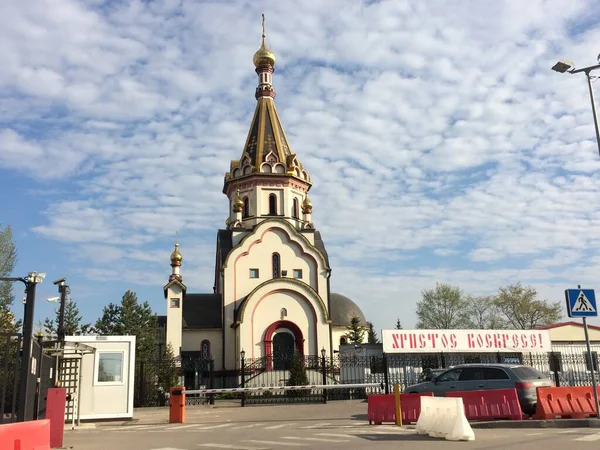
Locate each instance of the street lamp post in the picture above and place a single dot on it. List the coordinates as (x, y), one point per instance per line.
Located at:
(324, 373)
(63, 290)
(566, 66)
(243, 370)
(30, 282)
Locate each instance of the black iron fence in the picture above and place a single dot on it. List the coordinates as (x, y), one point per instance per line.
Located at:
(10, 366)
(568, 367)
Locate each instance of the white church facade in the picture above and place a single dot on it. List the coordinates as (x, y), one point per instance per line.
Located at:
(271, 294)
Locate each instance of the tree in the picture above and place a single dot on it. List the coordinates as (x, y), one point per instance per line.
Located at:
(443, 307)
(398, 324)
(372, 334)
(522, 310)
(298, 376)
(484, 314)
(72, 322)
(356, 332)
(132, 318)
(8, 259)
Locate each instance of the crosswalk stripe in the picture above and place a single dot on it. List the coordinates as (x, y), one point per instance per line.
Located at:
(568, 431)
(335, 435)
(276, 443)
(589, 438)
(181, 427)
(274, 427)
(314, 439)
(247, 426)
(201, 428)
(316, 426)
(235, 447)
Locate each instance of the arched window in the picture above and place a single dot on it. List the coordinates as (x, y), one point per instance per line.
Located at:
(295, 209)
(283, 313)
(205, 349)
(343, 341)
(276, 265)
(272, 205)
(246, 212)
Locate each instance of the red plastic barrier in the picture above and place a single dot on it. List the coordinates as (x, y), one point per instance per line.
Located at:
(381, 407)
(30, 435)
(490, 404)
(573, 402)
(56, 402)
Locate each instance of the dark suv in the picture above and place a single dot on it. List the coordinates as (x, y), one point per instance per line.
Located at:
(473, 377)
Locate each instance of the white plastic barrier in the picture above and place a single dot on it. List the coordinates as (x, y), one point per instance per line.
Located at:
(443, 417)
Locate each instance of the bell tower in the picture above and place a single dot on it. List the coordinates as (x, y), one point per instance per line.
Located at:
(174, 292)
(268, 181)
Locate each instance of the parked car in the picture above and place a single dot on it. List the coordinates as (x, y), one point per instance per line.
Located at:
(473, 377)
(430, 374)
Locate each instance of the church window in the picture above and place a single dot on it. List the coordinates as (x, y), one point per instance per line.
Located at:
(246, 212)
(272, 205)
(253, 273)
(298, 273)
(174, 303)
(276, 266)
(205, 349)
(295, 209)
(343, 341)
(283, 313)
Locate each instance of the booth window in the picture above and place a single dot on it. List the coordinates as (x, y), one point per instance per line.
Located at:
(110, 368)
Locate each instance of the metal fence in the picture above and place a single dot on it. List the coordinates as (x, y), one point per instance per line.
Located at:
(568, 366)
(10, 366)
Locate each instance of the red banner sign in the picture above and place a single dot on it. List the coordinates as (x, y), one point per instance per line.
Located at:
(465, 341)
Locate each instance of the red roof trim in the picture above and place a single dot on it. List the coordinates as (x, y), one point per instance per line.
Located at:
(565, 324)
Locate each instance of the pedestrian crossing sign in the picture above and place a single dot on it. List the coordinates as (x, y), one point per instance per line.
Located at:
(581, 303)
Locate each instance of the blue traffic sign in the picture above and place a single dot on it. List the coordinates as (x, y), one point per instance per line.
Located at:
(581, 303)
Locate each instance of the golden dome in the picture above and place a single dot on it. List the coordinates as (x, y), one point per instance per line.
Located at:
(176, 257)
(264, 56)
(306, 205)
(238, 203)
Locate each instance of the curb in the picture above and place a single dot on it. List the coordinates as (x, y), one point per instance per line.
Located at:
(561, 423)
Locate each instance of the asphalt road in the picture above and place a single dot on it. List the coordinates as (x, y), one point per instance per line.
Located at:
(333, 426)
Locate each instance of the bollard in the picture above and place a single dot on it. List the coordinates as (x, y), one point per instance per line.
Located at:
(397, 404)
(56, 402)
(177, 405)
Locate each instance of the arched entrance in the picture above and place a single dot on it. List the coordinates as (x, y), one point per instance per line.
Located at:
(283, 350)
(279, 347)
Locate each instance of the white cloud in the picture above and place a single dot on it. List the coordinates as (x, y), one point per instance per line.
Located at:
(441, 145)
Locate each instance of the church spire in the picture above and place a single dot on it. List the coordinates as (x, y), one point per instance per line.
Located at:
(267, 150)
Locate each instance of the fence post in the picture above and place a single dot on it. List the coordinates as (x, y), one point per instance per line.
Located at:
(243, 368)
(141, 394)
(211, 380)
(386, 376)
(324, 366)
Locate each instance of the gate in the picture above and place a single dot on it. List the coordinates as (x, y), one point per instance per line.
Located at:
(10, 366)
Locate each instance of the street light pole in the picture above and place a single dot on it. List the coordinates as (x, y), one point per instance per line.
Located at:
(63, 289)
(566, 66)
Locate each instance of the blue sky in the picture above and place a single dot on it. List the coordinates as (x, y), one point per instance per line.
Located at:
(441, 146)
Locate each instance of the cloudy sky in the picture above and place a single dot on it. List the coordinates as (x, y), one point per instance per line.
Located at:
(441, 146)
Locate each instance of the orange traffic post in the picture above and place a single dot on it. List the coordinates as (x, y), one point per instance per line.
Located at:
(177, 405)
(397, 403)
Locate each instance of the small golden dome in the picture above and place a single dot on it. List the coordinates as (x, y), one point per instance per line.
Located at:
(264, 56)
(238, 203)
(176, 257)
(306, 205)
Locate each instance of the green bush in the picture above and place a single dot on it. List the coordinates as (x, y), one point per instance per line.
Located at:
(298, 376)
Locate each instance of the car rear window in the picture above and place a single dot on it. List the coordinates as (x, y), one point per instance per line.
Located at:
(528, 373)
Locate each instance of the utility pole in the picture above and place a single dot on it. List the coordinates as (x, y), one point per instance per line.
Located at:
(63, 290)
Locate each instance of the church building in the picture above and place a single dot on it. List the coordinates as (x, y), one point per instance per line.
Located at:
(271, 293)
